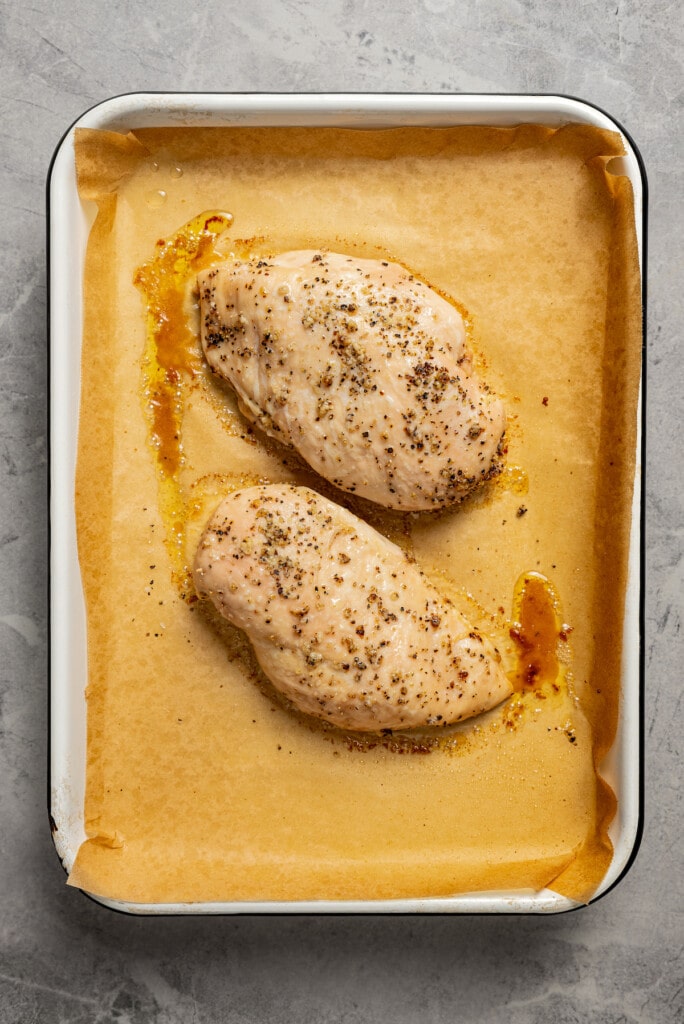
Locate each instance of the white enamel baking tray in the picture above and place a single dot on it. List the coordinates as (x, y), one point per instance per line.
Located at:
(68, 225)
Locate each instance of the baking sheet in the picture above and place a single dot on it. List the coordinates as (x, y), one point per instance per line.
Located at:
(107, 840)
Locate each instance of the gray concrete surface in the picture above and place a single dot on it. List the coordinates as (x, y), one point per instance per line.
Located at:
(62, 958)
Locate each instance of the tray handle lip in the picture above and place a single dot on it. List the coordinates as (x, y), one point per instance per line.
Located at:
(509, 97)
(309, 908)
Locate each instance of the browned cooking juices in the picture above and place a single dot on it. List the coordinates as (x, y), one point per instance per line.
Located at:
(537, 632)
(173, 360)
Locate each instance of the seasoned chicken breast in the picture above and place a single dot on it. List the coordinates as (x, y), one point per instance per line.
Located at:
(341, 621)
(359, 366)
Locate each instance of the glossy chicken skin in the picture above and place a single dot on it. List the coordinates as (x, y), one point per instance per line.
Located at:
(341, 621)
(359, 366)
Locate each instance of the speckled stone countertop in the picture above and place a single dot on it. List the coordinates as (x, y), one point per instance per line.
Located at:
(62, 957)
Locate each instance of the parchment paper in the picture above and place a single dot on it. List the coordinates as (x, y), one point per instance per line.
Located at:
(200, 784)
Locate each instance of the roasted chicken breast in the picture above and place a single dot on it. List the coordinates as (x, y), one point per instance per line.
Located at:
(358, 365)
(341, 621)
